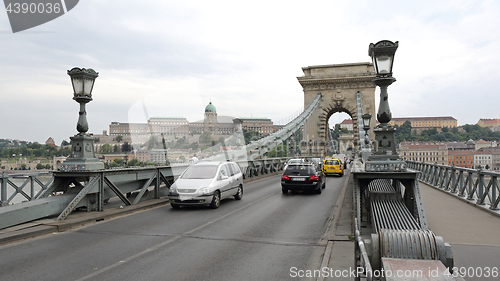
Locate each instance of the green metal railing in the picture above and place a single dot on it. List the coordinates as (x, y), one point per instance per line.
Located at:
(478, 186)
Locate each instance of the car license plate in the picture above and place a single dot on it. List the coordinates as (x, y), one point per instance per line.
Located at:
(299, 179)
(184, 198)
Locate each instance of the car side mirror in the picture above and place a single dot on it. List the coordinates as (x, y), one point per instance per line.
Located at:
(223, 177)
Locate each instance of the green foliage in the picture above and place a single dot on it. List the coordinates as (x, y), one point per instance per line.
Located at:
(106, 148)
(281, 152)
(119, 138)
(206, 137)
(153, 143)
(474, 132)
(336, 132)
(126, 147)
(133, 162)
(251, 135)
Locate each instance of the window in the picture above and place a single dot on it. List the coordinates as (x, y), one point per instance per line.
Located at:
(231, 169)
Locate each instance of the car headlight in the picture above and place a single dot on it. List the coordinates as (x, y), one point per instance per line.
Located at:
(173, 190)
(204, 190)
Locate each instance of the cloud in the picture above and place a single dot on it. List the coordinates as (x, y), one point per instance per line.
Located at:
(245, 57)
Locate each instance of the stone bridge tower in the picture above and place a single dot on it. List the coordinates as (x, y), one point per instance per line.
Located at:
(338, 84)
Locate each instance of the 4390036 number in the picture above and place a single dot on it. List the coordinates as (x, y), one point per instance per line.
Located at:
(34, 8)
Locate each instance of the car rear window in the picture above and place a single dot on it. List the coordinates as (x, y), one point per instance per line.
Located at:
(331, 162)
(300, 170)
(200, 172)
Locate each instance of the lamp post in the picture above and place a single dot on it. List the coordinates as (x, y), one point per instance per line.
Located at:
(82, 157)
(366, 126)
(365, 147)
(385, 157)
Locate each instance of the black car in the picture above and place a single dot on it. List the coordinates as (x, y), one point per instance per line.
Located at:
(302, 176)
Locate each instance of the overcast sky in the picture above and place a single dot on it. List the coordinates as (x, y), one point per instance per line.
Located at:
(170, 58)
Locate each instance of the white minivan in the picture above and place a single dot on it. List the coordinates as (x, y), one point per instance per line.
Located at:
(207, 183)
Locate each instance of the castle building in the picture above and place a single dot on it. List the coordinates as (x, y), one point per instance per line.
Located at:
(218, 125)
(426, 122)
(180, 126)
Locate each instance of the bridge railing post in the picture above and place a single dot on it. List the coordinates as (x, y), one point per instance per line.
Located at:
(32, 187)
(494, 199)
(3, 190)
(480, 188)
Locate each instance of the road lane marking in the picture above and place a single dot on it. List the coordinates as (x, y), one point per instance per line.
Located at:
(173, 239)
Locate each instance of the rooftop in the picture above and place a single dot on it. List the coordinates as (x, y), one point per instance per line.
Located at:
(424, 118)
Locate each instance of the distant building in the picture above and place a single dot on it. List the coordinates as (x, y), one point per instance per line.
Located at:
(461, 158)
(482, 144)
(108, 158)
(126, 129)
(140, 155)
(50, 142)
(173, 155)
(172, 127)
(218, 125)
(488, 123)
(458, 146)
(426, 122)
(57, 162)
(259, 124)
(428, 152)
(347, 124)
(168, 126)
(483, 159)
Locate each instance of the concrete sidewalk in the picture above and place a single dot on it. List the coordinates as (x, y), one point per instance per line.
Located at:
(341, 247)
(75, 219)
(458, 222)
(472, 232)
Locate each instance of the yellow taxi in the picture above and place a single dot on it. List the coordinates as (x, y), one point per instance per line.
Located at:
(333, 165)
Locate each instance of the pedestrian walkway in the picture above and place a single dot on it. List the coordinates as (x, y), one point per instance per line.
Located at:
(458, 222)
(472, 232)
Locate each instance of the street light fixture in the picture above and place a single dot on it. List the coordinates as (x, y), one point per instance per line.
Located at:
(385, 157)
(366, 125)
(83, 82)
(82, 157)
(382, 54)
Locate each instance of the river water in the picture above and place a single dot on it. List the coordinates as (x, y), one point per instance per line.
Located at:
(26, 189)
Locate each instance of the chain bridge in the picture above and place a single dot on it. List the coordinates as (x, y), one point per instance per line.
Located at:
(378, 218)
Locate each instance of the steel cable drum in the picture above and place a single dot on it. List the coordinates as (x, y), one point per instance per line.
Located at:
(409, 244)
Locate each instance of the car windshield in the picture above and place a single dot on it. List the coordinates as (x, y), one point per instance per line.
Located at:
(331, 162)
(200, 172)
(300, 170)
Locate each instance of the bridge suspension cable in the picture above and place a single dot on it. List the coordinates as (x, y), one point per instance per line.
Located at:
(258, 148)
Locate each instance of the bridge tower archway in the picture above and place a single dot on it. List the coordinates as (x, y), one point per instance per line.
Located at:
(338, 85)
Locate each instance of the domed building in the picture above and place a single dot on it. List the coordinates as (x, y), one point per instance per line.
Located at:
(210, 121)
(218, 125)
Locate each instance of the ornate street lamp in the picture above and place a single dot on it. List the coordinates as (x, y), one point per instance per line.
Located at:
(366, 125)
(382, 54)
(83, 82)
(385, 157)
(82, 155)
